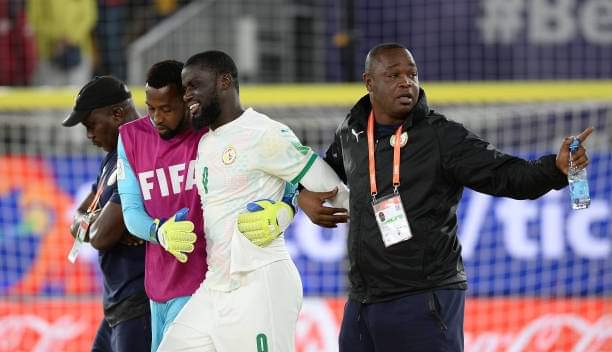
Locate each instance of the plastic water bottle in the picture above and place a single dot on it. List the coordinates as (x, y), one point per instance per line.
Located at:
(578, 182)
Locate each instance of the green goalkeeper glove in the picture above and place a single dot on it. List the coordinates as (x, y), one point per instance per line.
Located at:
(264, 221)
(176, 235)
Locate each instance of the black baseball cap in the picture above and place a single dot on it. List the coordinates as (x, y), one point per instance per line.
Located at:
(99, 92)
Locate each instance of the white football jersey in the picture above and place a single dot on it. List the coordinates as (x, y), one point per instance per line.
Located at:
(245, 160)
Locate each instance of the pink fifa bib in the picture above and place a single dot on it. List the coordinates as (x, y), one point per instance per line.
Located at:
(165, 170)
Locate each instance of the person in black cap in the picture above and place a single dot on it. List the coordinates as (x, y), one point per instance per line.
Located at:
(100, 92)
(103, 105)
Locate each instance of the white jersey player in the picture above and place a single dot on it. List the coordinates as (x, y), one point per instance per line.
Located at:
(252, 295)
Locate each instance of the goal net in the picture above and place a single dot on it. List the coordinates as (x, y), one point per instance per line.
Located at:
(539, 273)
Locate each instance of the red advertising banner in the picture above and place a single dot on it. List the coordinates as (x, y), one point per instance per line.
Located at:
(60, 324)
(491, 325)
(538, 325)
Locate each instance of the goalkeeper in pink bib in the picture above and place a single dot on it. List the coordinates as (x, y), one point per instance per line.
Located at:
(156, 175)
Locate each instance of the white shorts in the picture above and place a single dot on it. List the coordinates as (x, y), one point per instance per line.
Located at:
(259, 316)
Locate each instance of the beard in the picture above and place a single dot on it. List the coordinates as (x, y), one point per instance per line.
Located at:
(208, 114)
(170, 133)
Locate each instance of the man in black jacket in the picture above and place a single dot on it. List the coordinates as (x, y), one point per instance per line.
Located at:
(410, 164)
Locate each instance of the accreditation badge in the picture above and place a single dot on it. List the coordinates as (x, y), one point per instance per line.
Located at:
(79, 239)
(391, 219)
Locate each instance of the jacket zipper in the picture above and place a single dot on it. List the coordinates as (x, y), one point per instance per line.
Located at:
(366, 298)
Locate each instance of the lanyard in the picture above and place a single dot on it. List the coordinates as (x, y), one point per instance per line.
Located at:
(372, 162)
(96, 200)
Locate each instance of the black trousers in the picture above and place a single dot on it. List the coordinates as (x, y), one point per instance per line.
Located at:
(428, 322)
(132, 335)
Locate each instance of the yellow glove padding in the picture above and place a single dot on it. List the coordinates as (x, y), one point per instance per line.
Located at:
(176, 235)
(264, 221)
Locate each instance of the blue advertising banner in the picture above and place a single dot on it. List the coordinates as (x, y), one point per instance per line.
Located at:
(541, 247)
(510, 247)
(479, 39)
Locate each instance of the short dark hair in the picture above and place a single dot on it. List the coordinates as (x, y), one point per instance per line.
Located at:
(375, 51)
(216, 61)
(164, 73)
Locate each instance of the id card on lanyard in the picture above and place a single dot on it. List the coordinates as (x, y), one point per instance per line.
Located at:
(389, 210)
(85, 223)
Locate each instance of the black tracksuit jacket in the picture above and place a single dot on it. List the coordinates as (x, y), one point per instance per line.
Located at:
(440, 158)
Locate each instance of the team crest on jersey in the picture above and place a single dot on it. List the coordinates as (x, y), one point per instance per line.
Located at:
(229, 155)
(403, 139)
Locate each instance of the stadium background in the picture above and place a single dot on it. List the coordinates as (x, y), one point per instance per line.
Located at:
(522, 74)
